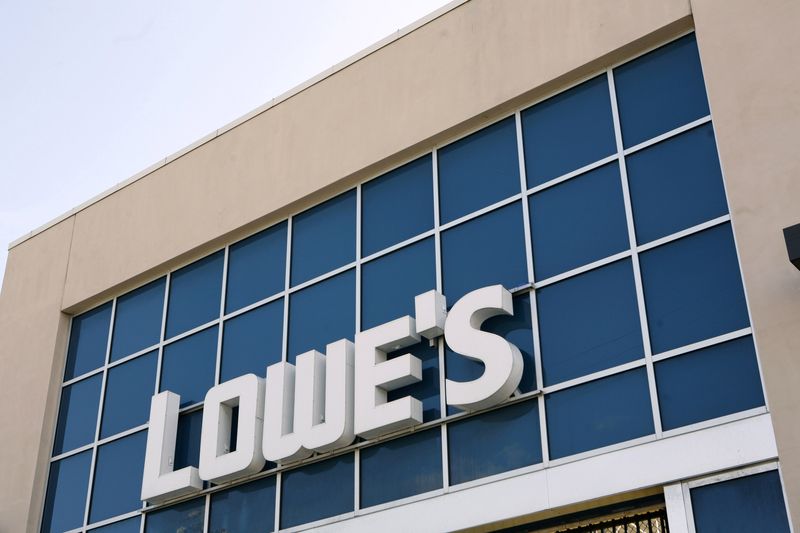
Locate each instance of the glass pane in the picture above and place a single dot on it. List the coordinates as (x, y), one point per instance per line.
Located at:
(117, 486)
(247, 508)
(189, 364)
(712, 382)
(186, 517)
(66, 493)
(676, 184)
(252, 341)
(131, 525)
(88, 341)
(568, 131)
(693, 290)
(256, 267)
(137, 319)
(401, 468)
(324, 238)
(578, 222)
(660, 91)
(317, 491)
(390, 283)
(129, 389)
(484, 251)
(599, 413)
(187, 443)
(397, 206)
(494, 442)
(322, 313)
(750, 503)
(194, 293)
(77, 414)
(427, 390)
(589, 322)
(478, 170)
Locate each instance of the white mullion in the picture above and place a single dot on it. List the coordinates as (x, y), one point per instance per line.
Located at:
(322, 277)
(719, 339)
(356, 479)
(357, 453)
(664, 136)
(223, 295)
(82, 377)
(287, 281)
(163, 333)
(278, 490)
(480, 212)
(206, 513)
(569, 175)
(637, 274)
(683, 233)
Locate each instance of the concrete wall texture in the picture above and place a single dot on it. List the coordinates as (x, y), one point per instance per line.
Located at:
(453, 73)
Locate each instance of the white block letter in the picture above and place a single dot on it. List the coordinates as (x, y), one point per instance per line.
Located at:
(502, 360)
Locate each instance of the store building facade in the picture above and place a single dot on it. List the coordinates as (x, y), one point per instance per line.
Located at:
(615, 174)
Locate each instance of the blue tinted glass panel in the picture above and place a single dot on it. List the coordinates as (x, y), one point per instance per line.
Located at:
(568, 131)
(324, 238)
(413, 464)
(708, 383)
(693, 289)
(137, 319)
(130, 525)
(88, 340)
(515, 329)
(194, 293)
(322, 313)
(117, 486)
(66, 493)
(478, 170)
(660, 91)
(484, 251)
(256, 267)
(745, 504)
(77, 414)
(187, 444)
(494, 442)
(589, 322)
(397, 206)
(390, 283)
(317, 491)
(252, 341)
(578, 222)
(186, 517)
(188, 366)
(676, 184)
(427, 390)
(129, 388)
(247, 508)
(599, 413)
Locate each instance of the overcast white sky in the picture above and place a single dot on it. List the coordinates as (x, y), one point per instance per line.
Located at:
(94, 91)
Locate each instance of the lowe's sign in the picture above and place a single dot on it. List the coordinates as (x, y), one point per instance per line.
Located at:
(324, 401)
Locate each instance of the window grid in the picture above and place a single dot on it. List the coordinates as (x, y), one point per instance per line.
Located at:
(540, 391)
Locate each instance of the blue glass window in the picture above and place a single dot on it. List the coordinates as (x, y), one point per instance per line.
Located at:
(478, 170)
(484, 251)
(578, 222)
(515, 329)
(77, 414)
(676, 184)
(693, 290)
(194, 294)
(137, 319)
(317, 491)
(187, 442)
(599, 413)
(186, 517)
(131, 525)
(390, 283)
(427, 390)
(397, 206)
(324, 238)
(660, 91)
(188, 366)
(568, 131)
(66, 493)
(412, 463)
(129, 388)
(322, 313)
(589, 322)
(494, 442)
(247, 508)
(252, 341)
(750, 503)
(117, 486)
(712, 382)
(88, 340)
(256, 267)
